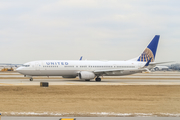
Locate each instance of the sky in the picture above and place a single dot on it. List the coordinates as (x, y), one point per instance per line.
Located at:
(95, 29)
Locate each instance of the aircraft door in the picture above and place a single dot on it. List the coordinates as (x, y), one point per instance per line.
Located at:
(37, 65)
(139, 65)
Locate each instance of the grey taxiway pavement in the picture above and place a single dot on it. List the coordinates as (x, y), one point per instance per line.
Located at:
(7, 82)
(154, 78)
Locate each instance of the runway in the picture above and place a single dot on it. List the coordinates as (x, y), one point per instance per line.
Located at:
(140, 95)
(21, 82)
(154, 78)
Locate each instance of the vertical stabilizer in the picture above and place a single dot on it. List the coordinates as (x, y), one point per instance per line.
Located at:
(150, 51)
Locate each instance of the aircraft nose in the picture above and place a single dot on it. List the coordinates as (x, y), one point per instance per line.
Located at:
(20, 70)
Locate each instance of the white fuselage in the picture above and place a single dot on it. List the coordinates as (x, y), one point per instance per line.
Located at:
(87, 70)
(71, 68)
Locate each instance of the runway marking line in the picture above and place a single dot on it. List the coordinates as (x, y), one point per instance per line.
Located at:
(71, 83)
(6, 84)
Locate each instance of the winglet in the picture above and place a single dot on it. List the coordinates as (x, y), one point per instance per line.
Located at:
(81, 58)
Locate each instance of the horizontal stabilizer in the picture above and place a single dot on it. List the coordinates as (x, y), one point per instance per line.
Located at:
(155, 63)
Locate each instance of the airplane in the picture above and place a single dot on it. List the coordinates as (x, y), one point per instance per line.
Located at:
(159, 68)
(89, 69)
(10, 65)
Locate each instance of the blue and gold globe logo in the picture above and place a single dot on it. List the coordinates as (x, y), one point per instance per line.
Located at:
(146, 55)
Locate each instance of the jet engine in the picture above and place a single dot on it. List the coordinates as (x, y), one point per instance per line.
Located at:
(86, 75)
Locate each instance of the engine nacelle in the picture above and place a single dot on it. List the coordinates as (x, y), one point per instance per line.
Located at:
(86, 75)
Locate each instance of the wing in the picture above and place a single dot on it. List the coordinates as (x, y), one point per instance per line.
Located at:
(114, 71)
(134, 70)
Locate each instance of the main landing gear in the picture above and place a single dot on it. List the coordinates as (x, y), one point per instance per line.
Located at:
(31, 79)
(98, 79)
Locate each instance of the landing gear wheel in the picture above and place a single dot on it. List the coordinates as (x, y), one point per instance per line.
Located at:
(31, 79)
(87, 80)
(98, 79)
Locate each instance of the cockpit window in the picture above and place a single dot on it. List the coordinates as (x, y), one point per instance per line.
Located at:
(25, 65)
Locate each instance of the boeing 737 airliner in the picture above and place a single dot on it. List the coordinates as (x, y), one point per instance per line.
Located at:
(87, 70)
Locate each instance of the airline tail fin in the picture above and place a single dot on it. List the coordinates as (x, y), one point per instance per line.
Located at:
(150, 51)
